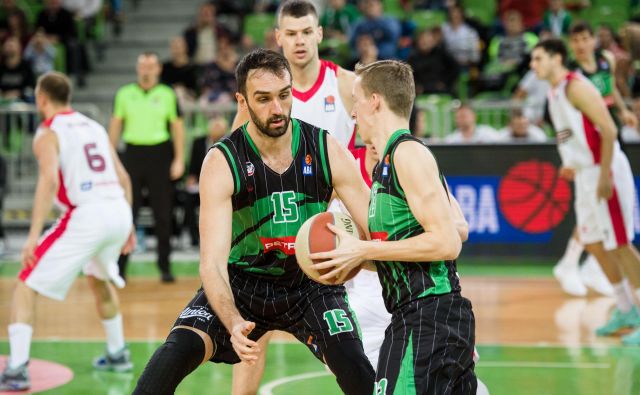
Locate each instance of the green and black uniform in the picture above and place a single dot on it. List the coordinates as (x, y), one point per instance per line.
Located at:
(603, 80)
(268, 286)
(429, 343)
(146, 117)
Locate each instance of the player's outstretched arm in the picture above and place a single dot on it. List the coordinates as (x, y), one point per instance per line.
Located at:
(348, 183)
(45, 149)
(588, 100)
(216, 191)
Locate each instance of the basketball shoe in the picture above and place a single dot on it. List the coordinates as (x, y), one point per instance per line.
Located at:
(632, 339)
(620, 320)
(593, 277)
(119, 362)
(568, 276)
(16, 379)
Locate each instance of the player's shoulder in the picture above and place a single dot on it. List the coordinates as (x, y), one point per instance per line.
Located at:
(412, 150)
(128, 88)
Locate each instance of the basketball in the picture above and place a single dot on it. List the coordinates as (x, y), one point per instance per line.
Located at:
(314, 236)
(533, 198)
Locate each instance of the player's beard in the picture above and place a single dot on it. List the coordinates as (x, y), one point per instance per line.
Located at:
(266, 129)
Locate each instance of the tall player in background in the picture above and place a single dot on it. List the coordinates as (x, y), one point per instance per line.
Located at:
(321, 97)
(587, 143)
(599, 67)
(79, 167)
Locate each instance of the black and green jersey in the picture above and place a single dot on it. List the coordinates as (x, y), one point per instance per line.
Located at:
(390, 218)
(602, 78)
(269, 208)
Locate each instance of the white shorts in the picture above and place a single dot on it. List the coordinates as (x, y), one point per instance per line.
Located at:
(86, 238)
(611, 221)
(365, 298)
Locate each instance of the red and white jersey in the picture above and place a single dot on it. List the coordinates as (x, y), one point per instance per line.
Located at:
(579, 140)
(87, 172)
(322, 106)
(360, 154)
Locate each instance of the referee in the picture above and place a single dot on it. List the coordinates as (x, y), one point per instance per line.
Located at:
(146, 113)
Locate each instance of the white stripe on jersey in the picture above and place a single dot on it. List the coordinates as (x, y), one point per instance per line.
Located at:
(579, 140)
(87, 171)
(322, 105)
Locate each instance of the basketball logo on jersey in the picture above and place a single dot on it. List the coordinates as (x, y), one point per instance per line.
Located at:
(329, 103)
(250, 169)
(307, 169)
(385, 167)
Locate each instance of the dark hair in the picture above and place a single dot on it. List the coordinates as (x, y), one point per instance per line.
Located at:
(297, 9)
(56, 86)
(580, 27)
(554, 46)
(392, 80)
(260, 59)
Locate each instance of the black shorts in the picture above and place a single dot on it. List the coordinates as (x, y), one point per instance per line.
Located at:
(317, 315)
(428, 349)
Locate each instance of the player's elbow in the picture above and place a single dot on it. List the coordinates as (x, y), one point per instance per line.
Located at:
(451, 246)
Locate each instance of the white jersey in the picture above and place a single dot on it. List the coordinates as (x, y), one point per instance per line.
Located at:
(579, 140)
(87, 171)
(322, 106)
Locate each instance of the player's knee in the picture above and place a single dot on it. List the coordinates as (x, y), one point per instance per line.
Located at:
(353, 371)
(180, 355)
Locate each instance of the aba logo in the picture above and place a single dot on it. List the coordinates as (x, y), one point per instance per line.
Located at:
(307, 169)
(564, 135)
(250, 169)
(385, 166)
(533, 197)
(329, 104)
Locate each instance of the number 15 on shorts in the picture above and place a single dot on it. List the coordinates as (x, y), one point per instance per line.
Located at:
(338, 321)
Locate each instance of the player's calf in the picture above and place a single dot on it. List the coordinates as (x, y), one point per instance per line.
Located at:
(352, 368)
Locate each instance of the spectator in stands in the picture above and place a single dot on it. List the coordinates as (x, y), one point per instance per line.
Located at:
(8, 7)
(338, 18)
(60, 27)
(607, 41)
(533, 91)
(556, 19)
(632, 134)
(408, 29)
(531, 12)
(385, 30)
(179, 73)
(87, 12)
(467, 131)
(508, 55)
(17, 81)
(461, 40)
(434, 69)
(3, 188)
(202, 38)
(367, 51)
(40, 53)
(218, 80)
(217, 128)
(17, 27)
(439, 5)
(521, 130)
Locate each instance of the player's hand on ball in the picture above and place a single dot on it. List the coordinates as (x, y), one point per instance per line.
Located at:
(343, 259)
(28, 252)
(605, 190)
(246, 349)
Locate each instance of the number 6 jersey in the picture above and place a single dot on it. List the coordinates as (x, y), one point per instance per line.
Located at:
(269, 208)
(87, 173)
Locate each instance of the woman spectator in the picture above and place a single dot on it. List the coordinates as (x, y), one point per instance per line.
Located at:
(17, 27)
(218, 80)
(460, 39)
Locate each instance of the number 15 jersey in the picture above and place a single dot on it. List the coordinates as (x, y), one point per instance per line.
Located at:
(87, 172)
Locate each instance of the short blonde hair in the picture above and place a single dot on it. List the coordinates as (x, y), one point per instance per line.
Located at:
(392, 80)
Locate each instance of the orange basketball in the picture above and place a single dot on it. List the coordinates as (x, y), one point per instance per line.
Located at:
(314, 236)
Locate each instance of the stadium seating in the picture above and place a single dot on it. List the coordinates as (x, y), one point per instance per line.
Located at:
(255, 26)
